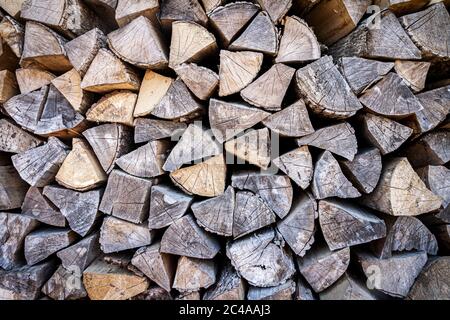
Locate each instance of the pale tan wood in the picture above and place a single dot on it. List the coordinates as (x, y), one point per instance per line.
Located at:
(8, 86)
(401, 7)
(8, 60)
(193, 274)
(276, 9)
(115, 107)
(12, 32)
(153, 88)
(31, 79)
(203, 82)
(127, 10)
(210, 5)
(12, 7)
(414, 73)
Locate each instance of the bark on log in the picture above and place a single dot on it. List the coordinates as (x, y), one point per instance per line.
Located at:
(298, 165)
(36, 206)
(194, 274)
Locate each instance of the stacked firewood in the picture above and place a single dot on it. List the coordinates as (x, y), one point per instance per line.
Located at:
(209, 149)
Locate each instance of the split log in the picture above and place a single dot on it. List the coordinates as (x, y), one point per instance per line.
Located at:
(431, 149)
(151, 129)
(36, 206)
(12, 7)
(282, 292)
(269, 89)
(42, 243)
(105, 281)
(298, 227)
(303, 292)
(261, 35)
(210, 5)
(166, 206)
(15, 140)
(185, 238)
(322, 267)
(229, 286)
(442, 233)
(12, 188)
(14, 228)
(393, 276)
(194, 274)
(348, 287)
(8, 86)
(106, 9)
(140, 43)
(79, 256)
(228, 119)
(401, 7)
(39, 166)
(260, 259)
(362, 73)
(298, 165)
(127, 10)
(79, 208)
(433, 282)
(329, 180)
(276, 9)
(365, 169)
(12, 32)
(344, 224)
(385, 134)
(238, 12)
(126, 197)
(31, 79)
(190, 42)
(108, 73)
(8, 60)
(325, 90)
(202, 81)
(120, 235)
(109, 142)
(157, 266)
(437, 179)
(184, 10)
(116, 107)
(414, 73)
(206, 179)
(400, 191)
(64, 285)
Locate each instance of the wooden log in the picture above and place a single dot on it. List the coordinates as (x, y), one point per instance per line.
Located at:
(8, 86)
(210, 5)
(362, 73)
(239, 12)
(348, 287)
(157, 266)
(329, 180)
(260, 259)
(437, 179)
(251, 38)
(229, 286)
(432, 283)
(203, 82)
(36, 206)
(119, 235)
(115, 107)
(39, 166)
(105, 281)
(12, 188)
(12, 33)
(276, 9)
(151, 129)
(322, 267)
(303, 292)
(228, 119)
(400, 191)
(298, 165)
(79, 256)
(184, 10)
(15, 140)
(14, 228)
(344, 224)
(31, 79)
(403, 6)
(108, 73)
(431, 149)
(206, 179)
(194, 274)
(325, 90)
(167, 204)
(12, 7)
(185, 238)
(414, 73)
(105, 9)
(127, 11)
(64, 285)
(79, 208)
(154, 294)
(281, 292)
(109, 142)
(365, 169)
(298, 227)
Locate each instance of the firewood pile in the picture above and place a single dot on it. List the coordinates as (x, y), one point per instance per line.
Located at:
(209, 149)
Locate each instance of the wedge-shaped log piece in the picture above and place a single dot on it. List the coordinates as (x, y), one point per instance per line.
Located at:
(238, 12)
(15, 140)
(401, 7)
(276, 9)
(104, 281)
(12, 7)
(184, 10)
(414, 73)
(193, 274)
(153, 88)
(260, 259)
(322, 267)
(437, 179)
(210, 5)
(229, 286)
(281, 292)
(106, 9)
(228, 119)
(298, 165)
(39, 166)
(31, 79)
(120, 235)
(126, 197)
(109, 142)
(42, 243)
(12, 188)
(400, 191)
(8, 86)
(261, 36)
(431, 149)
(254, 147)
(140, 43)
(365, 169)
(127, 10)
(36, 206)
(59, 286)
(8, 60)
(81, 51)
(396, 274)
(12, 32)
(297, 228)
(275, 190)
(348, 287)
(344, 224)
(206, 179)
(14, 228)
(326, 91)
(108, 73)
(433, 282)
(159, 267)
(298, 43)
(185, 238)
(79, 256)
(117, 107)
(268, 90)
(190, 42)
(151, 129)
(203, 82)
(362, 73)
(365, 40)
(166, 206)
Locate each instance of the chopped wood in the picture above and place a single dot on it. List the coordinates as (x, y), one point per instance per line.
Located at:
(401, 7)
(276, 9)
(64, 285)
(12, 188)
(36, 206)
(184, 10)
(283, 291)
(79, 256)
(12, 7)
(105, 9)
(431, 149)
(437, 179)
(9, 60)
(303, 292)
(432, 282)
(298, 165)
(12, 32)
(202, 81)
(116, 107)
(229, 286)
(414, 73)
(127, 10)
(348, 287)
(151, 129)
(193, 274)
(8, 86)
(31, 79)
(15, 140)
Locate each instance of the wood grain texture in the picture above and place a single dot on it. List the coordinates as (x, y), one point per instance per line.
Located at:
(193, 274)
(432, 282)
(229, 286)
(12, 188)
(31, 79)
(298, 165)
(37, 206)
(15, 140)
(203, 82)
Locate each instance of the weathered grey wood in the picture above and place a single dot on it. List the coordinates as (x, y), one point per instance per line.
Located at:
(229, 286)
(79, 256)
(282, 292)
(31, 79)
(432, 148)
(325, 90)
(64, 285)
(303, 291)
(298, 165)
(36, 206)
(12, 188)
(151, 129)
(433, 282)
(437, 179)
(210, 5)
(203, 82)
(348, 287)
(12, 32)
(155, 293)
(276, 9)
(127, 10)
(185, 238)
(344, 224)
(414, 73)
(106, 9)
(117, 107)
(167, 204)
(8, 86)
(193, 274)
(173, 10)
